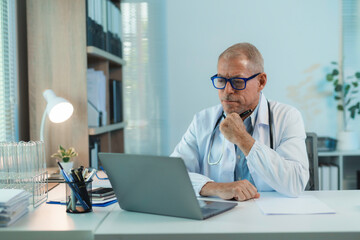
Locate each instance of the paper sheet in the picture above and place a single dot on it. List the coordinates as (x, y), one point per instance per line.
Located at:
(274, 203)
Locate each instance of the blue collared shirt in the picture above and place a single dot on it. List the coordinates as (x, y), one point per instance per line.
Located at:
(241, 168)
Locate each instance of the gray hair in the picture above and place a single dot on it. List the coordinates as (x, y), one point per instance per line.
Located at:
(249, 51)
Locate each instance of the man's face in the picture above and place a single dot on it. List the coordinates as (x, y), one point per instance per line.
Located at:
(239, 100)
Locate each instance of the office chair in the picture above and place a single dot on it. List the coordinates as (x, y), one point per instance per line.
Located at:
(311, 146)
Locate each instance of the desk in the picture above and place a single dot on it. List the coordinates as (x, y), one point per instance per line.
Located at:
(50, 221)
(245, 221)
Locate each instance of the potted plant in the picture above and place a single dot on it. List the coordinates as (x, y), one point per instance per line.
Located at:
(65, 157)
(346, 93)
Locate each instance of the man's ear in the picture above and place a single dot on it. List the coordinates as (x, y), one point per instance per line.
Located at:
(262, 81)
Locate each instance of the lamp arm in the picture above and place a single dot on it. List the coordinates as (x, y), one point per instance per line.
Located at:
(42, 126)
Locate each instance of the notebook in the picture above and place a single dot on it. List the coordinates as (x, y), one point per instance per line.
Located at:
(157, 185)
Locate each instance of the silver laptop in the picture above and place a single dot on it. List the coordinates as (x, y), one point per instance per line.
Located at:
(158, 185)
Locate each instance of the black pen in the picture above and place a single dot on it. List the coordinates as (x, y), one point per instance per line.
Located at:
(74, 176)
(244, 114)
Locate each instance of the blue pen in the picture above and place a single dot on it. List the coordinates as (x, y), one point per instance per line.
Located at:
(69, 180)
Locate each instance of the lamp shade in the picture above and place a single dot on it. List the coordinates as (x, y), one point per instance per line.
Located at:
(58, 109)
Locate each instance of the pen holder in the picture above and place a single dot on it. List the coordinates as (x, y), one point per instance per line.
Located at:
(78, 197)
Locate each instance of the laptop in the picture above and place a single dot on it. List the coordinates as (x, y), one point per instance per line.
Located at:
(157, 185)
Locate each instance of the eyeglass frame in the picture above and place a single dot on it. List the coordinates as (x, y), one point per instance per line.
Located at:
(231, 79)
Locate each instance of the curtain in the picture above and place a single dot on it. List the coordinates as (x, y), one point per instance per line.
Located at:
(351, 56)
(144, 77)
(8, 74)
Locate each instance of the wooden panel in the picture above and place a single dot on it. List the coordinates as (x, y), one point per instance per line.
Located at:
(105, 142)
(24, 133)
(117, 141)
(57, 60)
(116, 74)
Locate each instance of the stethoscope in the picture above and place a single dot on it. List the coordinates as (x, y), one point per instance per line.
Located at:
(223, 144)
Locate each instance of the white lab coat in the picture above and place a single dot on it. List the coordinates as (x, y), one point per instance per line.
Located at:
(284, 169)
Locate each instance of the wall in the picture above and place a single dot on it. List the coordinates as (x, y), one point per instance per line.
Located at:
(298, 40)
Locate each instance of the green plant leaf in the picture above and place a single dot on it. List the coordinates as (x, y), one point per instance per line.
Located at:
(333, 62)
(338, 88)
(62, 149)
(340, 107)
(346, 89)
(357, 75)
(329, 77)
(335, 72)
(337, 98)
(352, 114)
(355, 84)
(66, 159)
(336, 82)
(348, 101)
(352, 110)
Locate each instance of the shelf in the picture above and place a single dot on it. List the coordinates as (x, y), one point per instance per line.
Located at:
(339, 153)
(106, 129)
(99, 53)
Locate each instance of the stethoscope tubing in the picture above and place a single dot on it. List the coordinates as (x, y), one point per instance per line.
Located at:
(223, 145)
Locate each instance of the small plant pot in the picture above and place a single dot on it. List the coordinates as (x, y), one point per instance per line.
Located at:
(348, 140)
(67, 166)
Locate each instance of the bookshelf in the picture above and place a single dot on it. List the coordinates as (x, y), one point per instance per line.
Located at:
(106, 129)
(96, 53)
(111, 134)
(348, 163)
(58, 59)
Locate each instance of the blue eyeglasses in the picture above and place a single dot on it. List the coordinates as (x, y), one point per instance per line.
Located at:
(236, 83)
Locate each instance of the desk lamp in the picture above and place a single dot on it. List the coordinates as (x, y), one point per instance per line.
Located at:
(58, 109)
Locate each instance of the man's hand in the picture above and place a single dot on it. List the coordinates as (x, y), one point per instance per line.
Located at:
(234, 130)
(240, 190)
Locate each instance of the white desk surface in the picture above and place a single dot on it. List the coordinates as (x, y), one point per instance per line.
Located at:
(246, 221)
(50, 221)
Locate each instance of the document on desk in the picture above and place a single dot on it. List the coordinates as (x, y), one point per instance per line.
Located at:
(273, 203)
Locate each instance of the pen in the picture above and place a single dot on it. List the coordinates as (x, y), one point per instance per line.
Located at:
(85, 172)
(73, 187)
(91, 175)
(244, 114)
(81, 184)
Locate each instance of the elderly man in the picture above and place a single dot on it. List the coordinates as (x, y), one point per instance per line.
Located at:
(246, 144)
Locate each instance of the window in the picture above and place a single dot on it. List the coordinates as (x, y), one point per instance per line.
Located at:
(351, 50)
(145, 84)
(8, 76)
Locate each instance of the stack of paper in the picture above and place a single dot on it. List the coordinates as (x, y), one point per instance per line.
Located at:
(14, 204)
(274, 203)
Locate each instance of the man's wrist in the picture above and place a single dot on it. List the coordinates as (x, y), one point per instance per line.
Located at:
(209, 189)
(245, 143)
